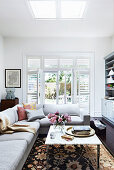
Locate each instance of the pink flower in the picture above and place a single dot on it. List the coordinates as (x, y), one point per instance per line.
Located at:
(50, 115)
(69, 119)
(53, 120)
(60, 120)
(56, 116)
(57, 113)
(66, 116)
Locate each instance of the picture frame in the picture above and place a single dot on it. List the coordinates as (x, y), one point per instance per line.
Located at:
(12, 78)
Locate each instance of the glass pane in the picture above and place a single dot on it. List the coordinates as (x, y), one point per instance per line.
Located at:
(108, 109)
(43, 9)
(83, 90)
(78, 89)
(84, 101)
(50, 63)
(66, 63)
(72, 9)
(64, 87)
(50, 88)
(33, 64)
(68, 87)
(84, 83)
(83, 64)
(31, 98)
(39, 87)
(61, 87)
(32, 83)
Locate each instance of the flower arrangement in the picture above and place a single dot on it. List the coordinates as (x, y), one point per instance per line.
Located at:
(58, 119)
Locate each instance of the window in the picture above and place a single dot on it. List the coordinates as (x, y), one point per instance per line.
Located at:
(64, 87)
(59, 80)
(66, 63)
(50, 63)
(32, 87)
(83, 64)
(43, 9)
(50, 87)
(33, 80)
(62, 9)
(72, 8)
(84, 90)
(33, 64)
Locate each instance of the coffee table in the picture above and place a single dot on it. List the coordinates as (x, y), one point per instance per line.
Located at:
(91, 140)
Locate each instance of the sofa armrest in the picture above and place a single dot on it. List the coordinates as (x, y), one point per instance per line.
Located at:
(85, 117)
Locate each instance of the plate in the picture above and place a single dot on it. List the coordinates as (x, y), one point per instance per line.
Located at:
(69, 132)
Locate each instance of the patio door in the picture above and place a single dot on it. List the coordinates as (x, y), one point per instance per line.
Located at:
(58, 87)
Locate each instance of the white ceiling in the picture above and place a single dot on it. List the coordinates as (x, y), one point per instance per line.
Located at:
(16, 20)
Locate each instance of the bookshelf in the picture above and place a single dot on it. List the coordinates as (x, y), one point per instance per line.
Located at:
(107, 104)
(109, 76)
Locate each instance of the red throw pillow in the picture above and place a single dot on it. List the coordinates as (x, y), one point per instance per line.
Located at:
(21, 113)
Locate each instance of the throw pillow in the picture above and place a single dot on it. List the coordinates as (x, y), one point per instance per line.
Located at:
(31, 106)
(21, 113)
(35, 114)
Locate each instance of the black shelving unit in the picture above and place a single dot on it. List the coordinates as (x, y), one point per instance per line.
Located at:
(109, 76)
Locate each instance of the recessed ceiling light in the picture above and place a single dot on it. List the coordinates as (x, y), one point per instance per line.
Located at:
(61, 9)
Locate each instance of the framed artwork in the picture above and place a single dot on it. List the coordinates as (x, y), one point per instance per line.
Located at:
(12, 78)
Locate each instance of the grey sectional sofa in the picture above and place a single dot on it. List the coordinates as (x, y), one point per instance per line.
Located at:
(14, 148)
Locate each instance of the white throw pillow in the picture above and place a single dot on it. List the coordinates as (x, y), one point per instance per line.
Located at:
(34, 114)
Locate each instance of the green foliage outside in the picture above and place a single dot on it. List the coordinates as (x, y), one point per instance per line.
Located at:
(51, 89)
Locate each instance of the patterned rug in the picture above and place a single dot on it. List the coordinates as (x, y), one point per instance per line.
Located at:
(67, 157)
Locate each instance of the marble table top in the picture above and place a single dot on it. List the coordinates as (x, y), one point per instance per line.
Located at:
(92, 140)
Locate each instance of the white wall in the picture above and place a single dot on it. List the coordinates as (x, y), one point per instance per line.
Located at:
(1, 67)
(16, 48)
(113, 43)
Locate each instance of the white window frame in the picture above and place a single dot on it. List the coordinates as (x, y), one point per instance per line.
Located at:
(63, 55)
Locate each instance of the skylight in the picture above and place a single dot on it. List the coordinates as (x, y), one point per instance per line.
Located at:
(72, 9)
(43, 9)
(58, 9)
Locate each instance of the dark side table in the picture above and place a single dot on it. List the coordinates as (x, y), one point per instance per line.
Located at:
(8, 103)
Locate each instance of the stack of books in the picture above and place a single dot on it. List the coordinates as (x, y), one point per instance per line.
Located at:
(81, 130)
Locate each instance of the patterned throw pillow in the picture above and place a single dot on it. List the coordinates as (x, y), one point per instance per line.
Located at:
(21, 113)
(30, 106)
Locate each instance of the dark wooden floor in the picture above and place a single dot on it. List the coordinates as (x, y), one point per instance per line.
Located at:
(106, 135)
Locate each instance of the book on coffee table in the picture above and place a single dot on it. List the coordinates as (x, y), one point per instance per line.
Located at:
(81, 130)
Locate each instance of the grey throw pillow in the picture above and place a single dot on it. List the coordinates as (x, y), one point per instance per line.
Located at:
(34, 114)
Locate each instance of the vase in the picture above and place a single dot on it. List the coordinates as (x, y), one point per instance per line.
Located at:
(59, 127)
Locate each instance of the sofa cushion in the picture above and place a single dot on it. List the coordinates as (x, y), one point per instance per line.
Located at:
(21, 135)
(9, 114)
(75, 120)
(71, 109)
(45, 122)
(11, 153)
(35, 125)
(39, 106)
(31, 106)
(35, 114)
(15, 109)
(21, 113)
(17, 136)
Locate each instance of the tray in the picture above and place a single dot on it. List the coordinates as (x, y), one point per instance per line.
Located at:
(69, 132)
